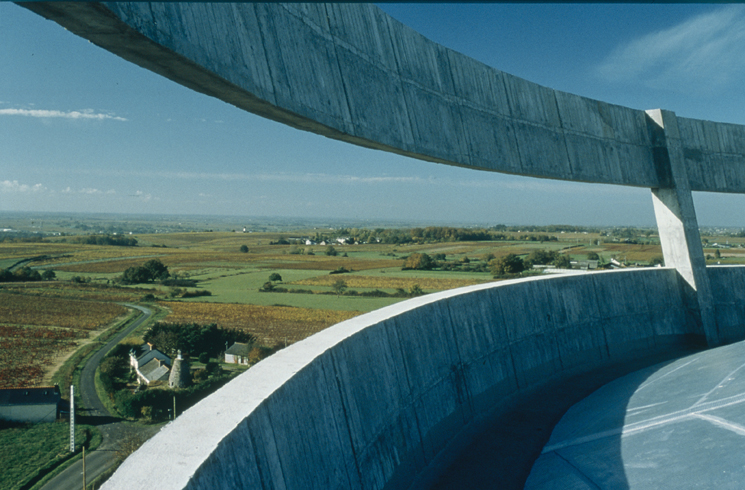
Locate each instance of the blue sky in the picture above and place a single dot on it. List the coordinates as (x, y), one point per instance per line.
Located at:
(82, 130)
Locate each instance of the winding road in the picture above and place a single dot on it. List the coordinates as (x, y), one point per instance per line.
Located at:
(112, 428)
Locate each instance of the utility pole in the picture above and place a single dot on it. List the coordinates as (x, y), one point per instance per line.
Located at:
(84, 485)
(174, 407)
(72, 419)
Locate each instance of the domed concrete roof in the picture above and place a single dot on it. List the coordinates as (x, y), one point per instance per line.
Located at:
(674, 425)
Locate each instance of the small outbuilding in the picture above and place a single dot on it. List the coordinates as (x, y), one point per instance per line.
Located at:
(30, 405)
(237, 354)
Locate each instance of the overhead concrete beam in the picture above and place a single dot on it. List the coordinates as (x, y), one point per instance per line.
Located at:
(351, 72)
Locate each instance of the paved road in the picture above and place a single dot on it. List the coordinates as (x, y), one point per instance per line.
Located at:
(112, 429)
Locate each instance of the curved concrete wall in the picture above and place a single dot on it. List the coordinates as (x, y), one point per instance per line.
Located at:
(381, 400)
(349, 71)
(729, 300)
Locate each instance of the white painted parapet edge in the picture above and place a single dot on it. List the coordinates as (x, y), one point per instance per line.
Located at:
(373, 401)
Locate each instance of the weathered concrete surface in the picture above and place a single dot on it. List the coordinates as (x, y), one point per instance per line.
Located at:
(349, 71)
(386, 400)
(729, 301)
(678, 425)
(677, 223)
(713, 155)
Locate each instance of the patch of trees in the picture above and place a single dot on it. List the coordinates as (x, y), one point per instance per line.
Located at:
(152, 270)
(422, 261)
(541, 257)
(449, 234)
(114, 371)
(20, 237)
(115, 240)
(545, 229)
(26, 274)
(180, 283)
(538, 238)
(465, 266)
(196, 293)
(513, 264)
(509, 264)
(340, 288)
(155, 404)
(193, 339)
(419, 261)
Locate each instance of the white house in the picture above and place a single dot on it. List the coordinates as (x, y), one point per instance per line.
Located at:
(150, 364)
(237, 354)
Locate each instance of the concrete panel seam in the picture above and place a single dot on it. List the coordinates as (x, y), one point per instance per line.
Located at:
(341, 72)
(345, 411)
(563, 133)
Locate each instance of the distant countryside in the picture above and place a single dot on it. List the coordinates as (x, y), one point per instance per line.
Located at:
(63, 279)
(69, 282)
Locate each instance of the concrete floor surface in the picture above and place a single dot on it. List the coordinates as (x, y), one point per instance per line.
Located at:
(677, 425)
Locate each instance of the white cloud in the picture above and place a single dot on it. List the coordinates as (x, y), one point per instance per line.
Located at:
(144, 197)
(702, 53)
(291, 177)
(46, 114)
(13, 186)
(87, 190)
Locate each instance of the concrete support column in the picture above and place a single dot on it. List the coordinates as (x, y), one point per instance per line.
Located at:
(677, 224)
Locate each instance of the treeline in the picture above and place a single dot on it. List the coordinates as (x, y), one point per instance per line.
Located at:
(193, 339)
(150, 271)
(433, 234)
(115, 240)
(340, 289)
(546, 229)
(419, 235)
(26, 274)
(18, 237)
(510, 264)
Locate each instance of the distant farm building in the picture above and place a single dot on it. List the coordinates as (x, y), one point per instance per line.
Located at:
(237, 354)
(30, 404)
